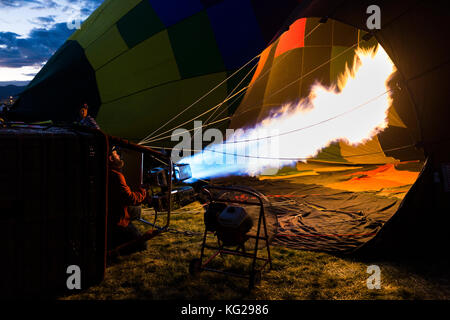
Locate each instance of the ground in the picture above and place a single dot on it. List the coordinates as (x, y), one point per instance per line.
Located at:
(161, 272)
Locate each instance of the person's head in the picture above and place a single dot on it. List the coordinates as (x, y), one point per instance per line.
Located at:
(115, 162)
(84, 111)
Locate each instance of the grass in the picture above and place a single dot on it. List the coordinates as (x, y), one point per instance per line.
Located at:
(161, 272)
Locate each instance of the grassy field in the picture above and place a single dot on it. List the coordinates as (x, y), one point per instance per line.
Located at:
(161, 272)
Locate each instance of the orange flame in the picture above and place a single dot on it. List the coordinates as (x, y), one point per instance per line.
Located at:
(354, 110)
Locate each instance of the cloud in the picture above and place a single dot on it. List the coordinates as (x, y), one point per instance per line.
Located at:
(16, 52)
(32, 30)
(17, 3)
(47, 4)
(49, 19)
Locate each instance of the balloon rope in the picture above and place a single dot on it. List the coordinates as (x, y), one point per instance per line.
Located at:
(274, 65)
(296, 130)
(287, 159)
(300, 78)
(232, 91)
(186, 122)
(315, 124)
(201, 98)
(315, 69)
(215, 108)
(229, 105)
(282, 58)
(205, 125)
(148, 138)
(181, 133)
(246, 87)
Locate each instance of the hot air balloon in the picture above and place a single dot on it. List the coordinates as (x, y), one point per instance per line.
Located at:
(314, 51)
(139, 64)
(145, 67)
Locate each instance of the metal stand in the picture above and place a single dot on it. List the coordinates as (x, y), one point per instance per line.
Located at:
(198, 265)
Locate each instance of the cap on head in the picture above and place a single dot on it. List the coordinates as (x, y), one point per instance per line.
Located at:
(116, 149)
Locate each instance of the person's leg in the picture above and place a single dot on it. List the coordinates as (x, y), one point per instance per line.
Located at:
(135, 233)
(134, 212)
(122, 235)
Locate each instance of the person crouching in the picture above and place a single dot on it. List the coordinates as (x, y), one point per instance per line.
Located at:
(120, 229)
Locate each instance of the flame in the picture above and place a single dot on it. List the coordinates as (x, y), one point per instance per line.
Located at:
(353, 110)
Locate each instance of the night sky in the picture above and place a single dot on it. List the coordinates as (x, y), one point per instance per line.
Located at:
(32, 30)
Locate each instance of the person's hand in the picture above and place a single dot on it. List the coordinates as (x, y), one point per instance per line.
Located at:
(144, 187)
(144, 190)
(151, 234)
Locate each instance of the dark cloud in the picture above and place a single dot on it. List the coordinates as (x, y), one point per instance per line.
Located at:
(16, 52)
(44, 20)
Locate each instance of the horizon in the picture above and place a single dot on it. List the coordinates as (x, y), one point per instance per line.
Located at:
(14, 83)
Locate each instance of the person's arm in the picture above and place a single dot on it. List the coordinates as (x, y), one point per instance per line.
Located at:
(131, 198)
(92, 122)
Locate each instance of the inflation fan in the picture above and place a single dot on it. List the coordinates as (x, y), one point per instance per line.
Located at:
(236, 217)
